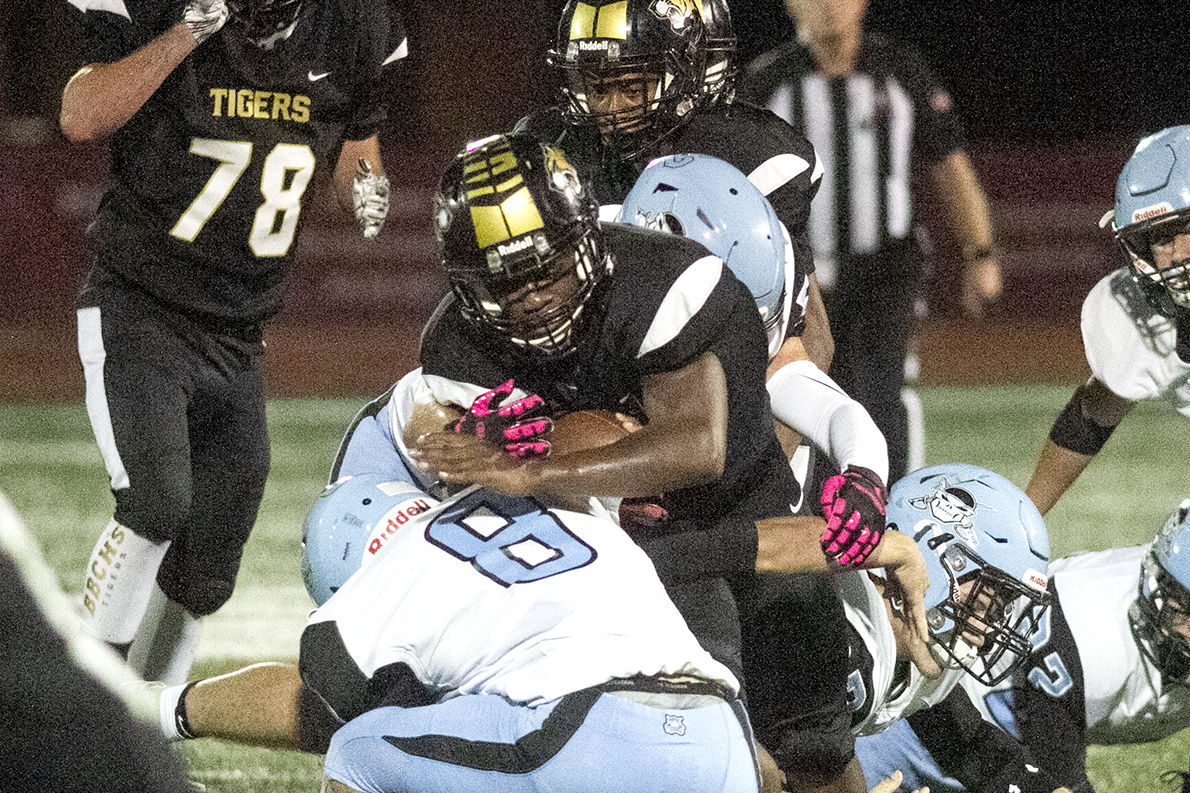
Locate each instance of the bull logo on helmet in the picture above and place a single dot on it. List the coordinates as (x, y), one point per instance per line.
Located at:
(562, 176)
(679, 13)
(950, 505)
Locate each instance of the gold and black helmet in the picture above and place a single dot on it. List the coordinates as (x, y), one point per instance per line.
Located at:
(264, 21)
(633, 69)
(518, 235)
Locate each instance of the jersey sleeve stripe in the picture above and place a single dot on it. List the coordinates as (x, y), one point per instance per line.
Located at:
(687, 294)
(112, 6)
(777, 171)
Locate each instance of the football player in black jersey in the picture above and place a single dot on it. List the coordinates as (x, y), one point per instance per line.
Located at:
(646, 78)
(610, 317)
(592, 316)
(218, 133)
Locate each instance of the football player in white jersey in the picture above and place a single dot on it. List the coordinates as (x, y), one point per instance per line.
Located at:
(987, 551)
(1135, 321)
(1110, 664)
(488, 644)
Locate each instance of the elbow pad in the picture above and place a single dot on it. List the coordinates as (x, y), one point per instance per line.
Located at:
(812, 403)
(1074, 431)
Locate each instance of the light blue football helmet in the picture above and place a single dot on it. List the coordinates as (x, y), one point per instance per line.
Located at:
(711, 201)
(1163, 603)
(350, 522)
(973, 525)
(1153, 206)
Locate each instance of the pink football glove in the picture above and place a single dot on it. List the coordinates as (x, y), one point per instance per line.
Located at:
(853, 505)
(517, 426)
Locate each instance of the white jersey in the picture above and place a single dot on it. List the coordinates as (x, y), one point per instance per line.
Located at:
(1130, 346)
(488, 594)
(884, 699)
(1125, 700)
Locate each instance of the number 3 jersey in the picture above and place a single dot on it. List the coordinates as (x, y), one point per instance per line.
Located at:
(210, 176)
(489, 594)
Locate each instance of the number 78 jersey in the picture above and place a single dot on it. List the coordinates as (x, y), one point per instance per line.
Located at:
(210, 176)
(491, 594)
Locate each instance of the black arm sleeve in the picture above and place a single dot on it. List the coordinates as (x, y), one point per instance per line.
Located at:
(685, 553)
(977, 753)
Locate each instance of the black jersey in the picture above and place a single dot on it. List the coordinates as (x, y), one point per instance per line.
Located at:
(210, 175)
(667, 303)
(775, 157)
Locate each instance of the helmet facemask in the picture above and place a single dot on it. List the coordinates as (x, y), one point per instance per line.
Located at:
(538, 304)
(265, 22)
(1160, 622)
(1150, 246)
(984, 625)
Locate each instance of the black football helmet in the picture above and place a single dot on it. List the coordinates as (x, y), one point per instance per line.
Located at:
(265, 21)
(633, 69)
(720, 70)
(518, 235)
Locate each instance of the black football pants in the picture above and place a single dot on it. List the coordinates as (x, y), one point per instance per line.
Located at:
(178, 410)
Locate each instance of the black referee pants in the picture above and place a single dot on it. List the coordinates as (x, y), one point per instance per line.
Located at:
(871, 315)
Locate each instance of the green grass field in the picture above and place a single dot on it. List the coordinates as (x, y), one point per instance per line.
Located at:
(51, 470)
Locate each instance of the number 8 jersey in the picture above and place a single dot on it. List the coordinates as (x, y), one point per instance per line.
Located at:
(491, 594)
(210, 175)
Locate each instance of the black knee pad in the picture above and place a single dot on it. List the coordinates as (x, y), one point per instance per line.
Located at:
(154, 515)
(200, 595)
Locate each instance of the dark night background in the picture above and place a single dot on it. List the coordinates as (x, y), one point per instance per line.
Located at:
(1053, 95)
(1019, 71)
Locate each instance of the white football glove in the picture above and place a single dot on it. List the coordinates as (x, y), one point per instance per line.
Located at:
(369, 197)
(204, 18)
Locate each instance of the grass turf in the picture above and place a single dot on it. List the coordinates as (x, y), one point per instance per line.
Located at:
(50, 468)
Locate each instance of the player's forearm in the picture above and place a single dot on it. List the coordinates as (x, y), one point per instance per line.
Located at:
(101, 97)
(966, 205)
(1057, 469)
(1079, 432)
(807, 400)
(650, 461)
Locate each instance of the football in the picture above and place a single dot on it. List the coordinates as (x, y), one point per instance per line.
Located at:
(588, 429)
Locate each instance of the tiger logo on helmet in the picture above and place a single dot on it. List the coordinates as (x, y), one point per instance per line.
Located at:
(678, 13)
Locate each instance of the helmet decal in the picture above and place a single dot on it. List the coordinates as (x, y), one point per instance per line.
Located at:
(501, 205)
(563, 176)
(595, 22)
(953, 506)
(677, 12)
(1150, 212)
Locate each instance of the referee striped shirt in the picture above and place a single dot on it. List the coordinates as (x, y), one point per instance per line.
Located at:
(870, 129)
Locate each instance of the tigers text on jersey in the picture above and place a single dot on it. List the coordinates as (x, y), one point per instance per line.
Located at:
(667, 303)
(877, 696)
(210, 175)
(489, 594)
(1131, 347)
(774, 157)
(869, 128)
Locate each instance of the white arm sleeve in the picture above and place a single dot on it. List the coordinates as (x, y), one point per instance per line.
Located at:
(807, 400)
